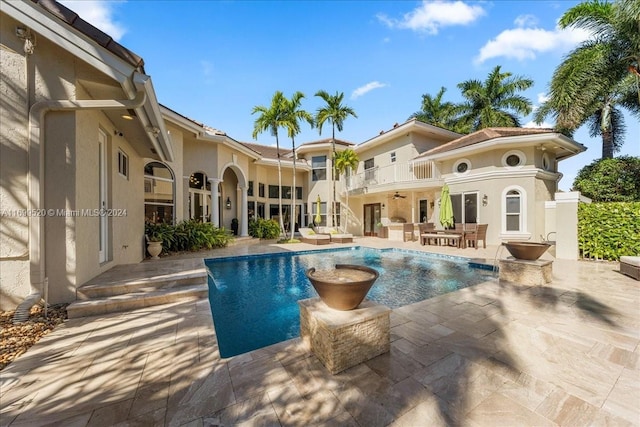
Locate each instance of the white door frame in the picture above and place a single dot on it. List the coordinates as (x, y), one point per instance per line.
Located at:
(102, 192)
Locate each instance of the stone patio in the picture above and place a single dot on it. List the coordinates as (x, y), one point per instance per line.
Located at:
(488, 355)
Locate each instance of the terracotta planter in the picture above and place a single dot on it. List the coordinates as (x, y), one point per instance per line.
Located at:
(529, 251)
(345, 287)
(154, 249)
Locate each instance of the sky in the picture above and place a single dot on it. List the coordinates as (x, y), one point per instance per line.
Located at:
(213, 61)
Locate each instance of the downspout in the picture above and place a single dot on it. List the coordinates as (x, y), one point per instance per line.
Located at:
(37, 114)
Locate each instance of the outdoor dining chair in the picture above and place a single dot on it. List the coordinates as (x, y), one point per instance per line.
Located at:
(473, 237)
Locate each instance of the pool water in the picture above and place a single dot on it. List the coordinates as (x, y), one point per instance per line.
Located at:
(254, 298)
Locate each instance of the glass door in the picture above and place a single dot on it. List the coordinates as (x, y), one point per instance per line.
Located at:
(371, 219)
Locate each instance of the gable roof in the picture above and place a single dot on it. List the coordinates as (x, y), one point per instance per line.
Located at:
(328, 141)
(73, 19)
(410, 126)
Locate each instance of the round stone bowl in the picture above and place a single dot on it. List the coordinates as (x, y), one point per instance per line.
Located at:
(345, 287)
(529, 251)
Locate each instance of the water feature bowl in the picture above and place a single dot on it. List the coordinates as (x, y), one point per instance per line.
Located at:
(529, 251)
(344, 287)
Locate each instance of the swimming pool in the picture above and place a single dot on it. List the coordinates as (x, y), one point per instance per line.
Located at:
(254, 298)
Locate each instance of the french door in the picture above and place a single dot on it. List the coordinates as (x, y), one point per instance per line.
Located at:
(372, 214)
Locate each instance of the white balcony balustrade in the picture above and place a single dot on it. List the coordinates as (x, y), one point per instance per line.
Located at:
(393, 174)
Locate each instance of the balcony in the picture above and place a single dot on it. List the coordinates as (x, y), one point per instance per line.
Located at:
(397, 173)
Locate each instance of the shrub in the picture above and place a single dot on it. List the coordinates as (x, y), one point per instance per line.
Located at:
(189, 235)
(609, 230)
(264, 228)
(610, 180)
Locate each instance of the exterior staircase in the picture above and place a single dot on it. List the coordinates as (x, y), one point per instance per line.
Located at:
(132, 286)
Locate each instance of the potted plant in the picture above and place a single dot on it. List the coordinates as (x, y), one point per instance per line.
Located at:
(153, 236)
(234, 226)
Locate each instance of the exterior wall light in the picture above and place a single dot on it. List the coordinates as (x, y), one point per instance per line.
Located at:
(228, 203)
(485, 200)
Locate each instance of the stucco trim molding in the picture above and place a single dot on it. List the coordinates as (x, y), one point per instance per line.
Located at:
(510, 173)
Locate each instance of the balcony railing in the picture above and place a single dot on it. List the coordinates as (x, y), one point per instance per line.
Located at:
(393, 174)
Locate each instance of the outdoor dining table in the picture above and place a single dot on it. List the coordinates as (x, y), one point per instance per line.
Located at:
(443, 234)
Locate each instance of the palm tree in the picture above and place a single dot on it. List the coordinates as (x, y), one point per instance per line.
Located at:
(336, 113)
(438, 113)
(601, 75)
(346, 160)
(495, 102)
(292, 114)
(270, 119)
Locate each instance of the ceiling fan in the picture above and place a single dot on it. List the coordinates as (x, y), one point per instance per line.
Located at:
(398, 196)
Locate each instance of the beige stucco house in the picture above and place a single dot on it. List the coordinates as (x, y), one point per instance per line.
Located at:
(497, 176)
(87, 155)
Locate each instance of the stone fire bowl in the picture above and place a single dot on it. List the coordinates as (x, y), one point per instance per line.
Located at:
(529, 251)
(345, 287)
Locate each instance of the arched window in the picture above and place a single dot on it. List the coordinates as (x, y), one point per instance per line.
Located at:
(159, 193)
(513, 211)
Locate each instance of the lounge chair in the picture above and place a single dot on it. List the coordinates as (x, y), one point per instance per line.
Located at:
(336, 235)
(307, 235)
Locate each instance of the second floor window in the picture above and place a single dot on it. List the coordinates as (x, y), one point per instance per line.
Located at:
(319, 168)
(250, 189)
(260, 189)
(273, 192)
(369, 169)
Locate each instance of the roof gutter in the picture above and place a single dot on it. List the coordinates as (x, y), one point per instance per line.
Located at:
(37, 115)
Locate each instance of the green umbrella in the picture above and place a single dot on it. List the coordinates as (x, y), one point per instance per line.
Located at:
(446, 208)
(318, 218)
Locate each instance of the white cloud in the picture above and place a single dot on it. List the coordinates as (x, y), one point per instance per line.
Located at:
(98, 13)
(366, 88)
(430, 16)
(542, 98)
(527, 43)
(526, 21)
(533, 124)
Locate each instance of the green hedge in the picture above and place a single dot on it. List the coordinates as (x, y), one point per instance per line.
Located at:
(264, 228)
(188, 235)
(609, 230)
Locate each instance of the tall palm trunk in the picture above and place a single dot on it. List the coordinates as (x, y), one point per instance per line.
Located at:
(333, 181)
(292, 213)
(607, 144)
(282, 232)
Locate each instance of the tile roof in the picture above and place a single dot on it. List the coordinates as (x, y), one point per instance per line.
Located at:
(73, 19)
(484, 135)
(267, 151)
(328, 140)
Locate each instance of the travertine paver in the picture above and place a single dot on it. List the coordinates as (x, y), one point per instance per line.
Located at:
(491, 354)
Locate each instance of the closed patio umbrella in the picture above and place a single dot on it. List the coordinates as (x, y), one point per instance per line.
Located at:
(318, 217)
(446, 208)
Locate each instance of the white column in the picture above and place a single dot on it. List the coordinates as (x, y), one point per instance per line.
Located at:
(215, 211)
(567, 224)
(244, 216)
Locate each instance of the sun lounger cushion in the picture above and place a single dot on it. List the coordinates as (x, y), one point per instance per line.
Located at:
(307, 235)
(630, 265)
